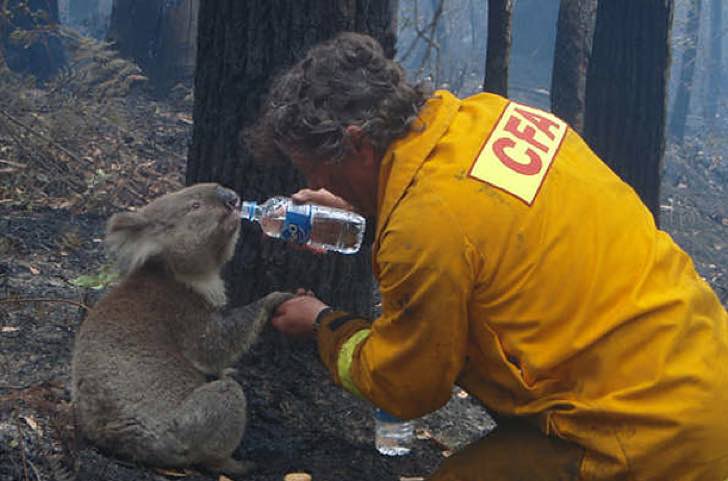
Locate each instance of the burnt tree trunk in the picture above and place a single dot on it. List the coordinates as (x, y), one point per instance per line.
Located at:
(626, 91)
(440, 39)
(574, 35)
(715, 63)
(159, 35)
(681, 107)
(177, 43)
(499, 46)
(29, 40)
(134, 28)
(241, 45)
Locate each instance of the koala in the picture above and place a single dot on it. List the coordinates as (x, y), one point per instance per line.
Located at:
(151, 377)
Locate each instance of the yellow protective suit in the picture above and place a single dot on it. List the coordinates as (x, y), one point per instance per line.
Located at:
(513, 262)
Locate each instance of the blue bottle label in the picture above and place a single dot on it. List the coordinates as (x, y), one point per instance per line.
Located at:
(297, 225)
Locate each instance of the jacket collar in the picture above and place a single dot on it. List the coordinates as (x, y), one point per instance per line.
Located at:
(405, 156)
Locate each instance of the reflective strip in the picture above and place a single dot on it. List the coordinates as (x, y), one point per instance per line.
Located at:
(346, 355)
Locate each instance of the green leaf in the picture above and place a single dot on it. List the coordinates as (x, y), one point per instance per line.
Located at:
(96, 281)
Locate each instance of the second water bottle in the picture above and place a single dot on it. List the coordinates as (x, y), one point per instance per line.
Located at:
(392, 436)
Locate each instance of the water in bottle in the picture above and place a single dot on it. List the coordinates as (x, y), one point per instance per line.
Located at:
(314, 225)
(392, 436)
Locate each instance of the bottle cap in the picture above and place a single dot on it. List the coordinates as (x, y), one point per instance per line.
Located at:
(247, 209)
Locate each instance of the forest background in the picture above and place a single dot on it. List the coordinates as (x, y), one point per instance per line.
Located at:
(103, 107)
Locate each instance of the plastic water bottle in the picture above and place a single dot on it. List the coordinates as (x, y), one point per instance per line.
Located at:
(314, 225)
(392, 436)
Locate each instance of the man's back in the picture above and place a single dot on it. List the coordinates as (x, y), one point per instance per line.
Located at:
(580, 312)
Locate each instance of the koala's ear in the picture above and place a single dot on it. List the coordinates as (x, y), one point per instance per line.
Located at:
(129, 221)
(130, 240)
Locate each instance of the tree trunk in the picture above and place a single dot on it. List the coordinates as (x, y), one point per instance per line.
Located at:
(681, 107)
(499, 46)
(29, 41)
(715, 64)
(241, 45)
(134, 29)
(440, 39)
(159, 35)
(178, 43)
(574, 35)
(626, 91)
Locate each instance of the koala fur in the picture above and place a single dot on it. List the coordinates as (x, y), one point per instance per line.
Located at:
(144, 357)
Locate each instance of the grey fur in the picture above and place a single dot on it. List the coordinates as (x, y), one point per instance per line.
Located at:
(143, 358)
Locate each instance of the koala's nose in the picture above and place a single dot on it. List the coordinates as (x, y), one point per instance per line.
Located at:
(227, 196)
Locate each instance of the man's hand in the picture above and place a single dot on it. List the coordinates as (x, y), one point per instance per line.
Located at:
(321, 197)
(296, 316)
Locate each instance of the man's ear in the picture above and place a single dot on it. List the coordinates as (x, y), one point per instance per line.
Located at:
(359, 142)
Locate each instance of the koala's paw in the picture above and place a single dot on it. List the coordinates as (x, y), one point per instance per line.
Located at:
(273, 300)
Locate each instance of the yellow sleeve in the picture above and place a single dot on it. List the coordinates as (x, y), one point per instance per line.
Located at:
(337, 330)
(409, 359)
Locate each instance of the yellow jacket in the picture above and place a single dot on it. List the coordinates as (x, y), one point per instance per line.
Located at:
(513, 262)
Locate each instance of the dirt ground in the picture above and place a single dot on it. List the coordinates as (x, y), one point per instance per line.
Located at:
(52, 212)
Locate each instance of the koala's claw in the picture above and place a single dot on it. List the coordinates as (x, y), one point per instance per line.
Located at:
(275, 299)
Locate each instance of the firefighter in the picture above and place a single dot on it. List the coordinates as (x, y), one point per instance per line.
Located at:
(511, 261)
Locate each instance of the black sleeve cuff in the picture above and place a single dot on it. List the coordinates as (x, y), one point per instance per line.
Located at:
(321, 315)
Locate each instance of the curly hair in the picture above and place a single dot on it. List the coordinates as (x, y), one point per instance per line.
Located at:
(341, 82)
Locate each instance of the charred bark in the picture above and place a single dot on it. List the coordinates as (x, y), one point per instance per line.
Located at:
(626, 91)
(159, 35)
(134, 28)
(499, 46)
(574, 36)
(715, 64)
(177, 44)
(681, 107)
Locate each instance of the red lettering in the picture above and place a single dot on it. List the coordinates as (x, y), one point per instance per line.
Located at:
(532, 168)
(528, 134)
(542, 123)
